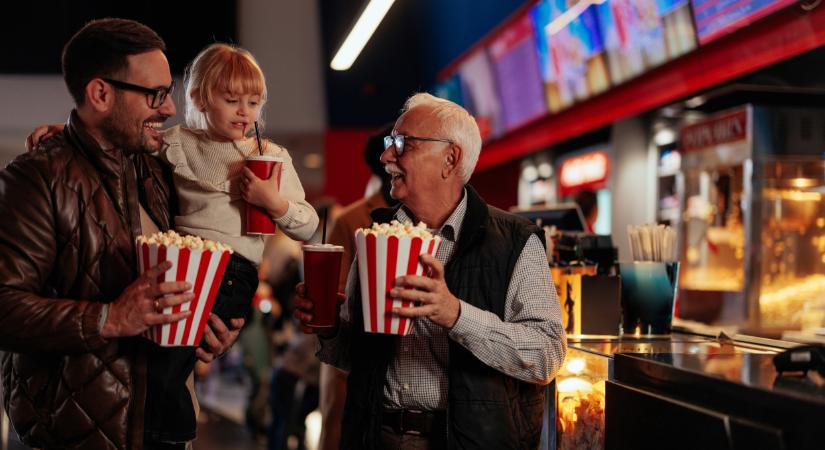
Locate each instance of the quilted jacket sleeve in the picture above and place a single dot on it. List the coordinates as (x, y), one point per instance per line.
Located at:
(30, 320)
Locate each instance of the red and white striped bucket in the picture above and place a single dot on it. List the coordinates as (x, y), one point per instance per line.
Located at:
(204, 270)
(381, 259)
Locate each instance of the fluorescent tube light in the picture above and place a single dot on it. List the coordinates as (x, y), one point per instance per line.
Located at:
(568, 16)
(360, 34)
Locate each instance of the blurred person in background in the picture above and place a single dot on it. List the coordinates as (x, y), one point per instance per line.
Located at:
(487, 336)
(354, 216)
(294, 389)
(589, 204)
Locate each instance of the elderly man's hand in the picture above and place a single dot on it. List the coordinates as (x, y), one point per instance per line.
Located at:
(303, 312)
(217, 338)
(436, 302)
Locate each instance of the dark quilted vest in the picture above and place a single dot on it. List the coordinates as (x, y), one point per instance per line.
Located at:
(486, 409)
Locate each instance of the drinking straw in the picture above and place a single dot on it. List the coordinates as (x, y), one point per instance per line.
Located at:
(258, 136)
(324, 230)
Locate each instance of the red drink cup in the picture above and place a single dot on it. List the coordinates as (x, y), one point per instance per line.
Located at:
(322, 264)
(257, 220)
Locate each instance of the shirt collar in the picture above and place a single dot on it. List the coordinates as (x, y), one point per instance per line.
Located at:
(452, 226)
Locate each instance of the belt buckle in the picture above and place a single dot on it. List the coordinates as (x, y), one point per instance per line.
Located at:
(405, 418)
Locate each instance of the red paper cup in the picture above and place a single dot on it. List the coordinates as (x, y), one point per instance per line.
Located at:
(381, 259)
(322, 264)
(257, 220)
(204, 270)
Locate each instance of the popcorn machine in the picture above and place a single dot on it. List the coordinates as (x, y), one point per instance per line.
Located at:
(753, 236)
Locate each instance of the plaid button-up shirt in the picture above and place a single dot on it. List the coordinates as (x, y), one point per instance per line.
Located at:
(529, 344)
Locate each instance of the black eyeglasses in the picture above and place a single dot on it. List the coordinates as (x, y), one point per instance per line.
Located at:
(155, 96)
(398, 141)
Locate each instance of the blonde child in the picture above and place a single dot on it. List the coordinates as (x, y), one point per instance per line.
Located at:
(225, 90)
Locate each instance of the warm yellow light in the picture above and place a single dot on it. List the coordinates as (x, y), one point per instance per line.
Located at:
(576, 366)
(360, 34)
(574, 385)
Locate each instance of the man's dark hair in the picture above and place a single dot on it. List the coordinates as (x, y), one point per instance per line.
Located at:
(100, 49)
(586, 200)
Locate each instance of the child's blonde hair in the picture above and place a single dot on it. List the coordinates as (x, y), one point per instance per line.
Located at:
(217, 69)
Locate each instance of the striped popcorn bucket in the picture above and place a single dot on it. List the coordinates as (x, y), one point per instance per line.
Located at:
(204, 270)
(381, 259)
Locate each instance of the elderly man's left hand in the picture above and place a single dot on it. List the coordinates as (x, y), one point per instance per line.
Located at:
(435, 301)
(217, 338)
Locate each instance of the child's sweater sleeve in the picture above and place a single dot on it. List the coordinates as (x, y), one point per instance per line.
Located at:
(300, 220)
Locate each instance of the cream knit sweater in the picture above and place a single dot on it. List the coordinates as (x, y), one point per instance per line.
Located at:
(207, 176)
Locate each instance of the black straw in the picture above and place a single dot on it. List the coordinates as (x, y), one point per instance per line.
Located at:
(324, 230)
(258, 136)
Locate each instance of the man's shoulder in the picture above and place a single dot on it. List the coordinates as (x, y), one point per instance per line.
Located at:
(504, 217)
(51, 155)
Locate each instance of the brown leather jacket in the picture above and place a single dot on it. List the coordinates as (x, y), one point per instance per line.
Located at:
(68, 220)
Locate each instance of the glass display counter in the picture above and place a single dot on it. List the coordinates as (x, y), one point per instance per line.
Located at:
(580, 384)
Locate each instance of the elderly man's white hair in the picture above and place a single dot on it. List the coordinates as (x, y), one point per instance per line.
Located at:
(455, 123)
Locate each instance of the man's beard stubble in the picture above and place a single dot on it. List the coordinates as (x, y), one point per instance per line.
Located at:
(122, 130)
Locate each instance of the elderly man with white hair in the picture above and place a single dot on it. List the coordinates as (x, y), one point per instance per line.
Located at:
(488, 335)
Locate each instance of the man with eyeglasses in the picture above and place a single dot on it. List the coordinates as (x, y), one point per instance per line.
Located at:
(76, 373)
(487, 335)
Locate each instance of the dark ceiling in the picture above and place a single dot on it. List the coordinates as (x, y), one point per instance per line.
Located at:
(415, 41)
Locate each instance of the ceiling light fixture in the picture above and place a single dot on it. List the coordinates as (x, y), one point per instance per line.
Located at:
(360, 34)
(570, 15)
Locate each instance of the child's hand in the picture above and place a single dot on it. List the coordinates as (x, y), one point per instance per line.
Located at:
(263, 193)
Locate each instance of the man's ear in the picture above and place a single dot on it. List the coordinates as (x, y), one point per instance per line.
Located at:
(100, 95)
(452, 160)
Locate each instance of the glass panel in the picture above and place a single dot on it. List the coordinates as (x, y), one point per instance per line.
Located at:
(714, 234)
(580, 387)
(792, 292)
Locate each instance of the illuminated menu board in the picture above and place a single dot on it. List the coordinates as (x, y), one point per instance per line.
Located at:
(479, 94)
(572, 59)
(715, 18)
(450, 89)
(515, 62)
(642, 34)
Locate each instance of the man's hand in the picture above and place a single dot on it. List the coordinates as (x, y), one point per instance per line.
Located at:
(303, 312)
(41, 133)
(436, 302)
(218, 338)
(141, 304)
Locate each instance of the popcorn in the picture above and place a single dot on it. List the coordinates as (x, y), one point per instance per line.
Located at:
(202, 263)
(385, 252)
(191, 242)
(398, 229)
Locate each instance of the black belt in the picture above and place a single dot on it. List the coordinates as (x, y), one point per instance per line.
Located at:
(409, 421)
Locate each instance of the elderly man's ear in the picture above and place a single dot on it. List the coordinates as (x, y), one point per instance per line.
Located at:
(452, 160)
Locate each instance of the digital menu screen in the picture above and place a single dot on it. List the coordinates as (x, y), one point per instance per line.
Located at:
(516, 65)
(572, 61)
(450, 89)
(479, 94)
(715, 18)
(642, 34)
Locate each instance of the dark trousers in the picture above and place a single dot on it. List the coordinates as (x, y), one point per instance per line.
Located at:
(170, 415)
(290, 403)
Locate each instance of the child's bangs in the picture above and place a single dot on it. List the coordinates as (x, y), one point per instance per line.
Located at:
(240, 76)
